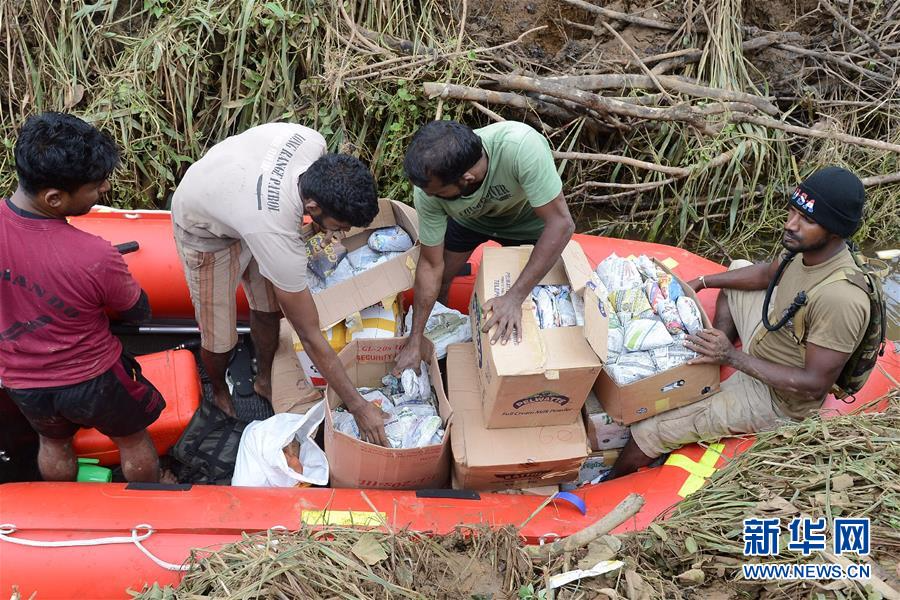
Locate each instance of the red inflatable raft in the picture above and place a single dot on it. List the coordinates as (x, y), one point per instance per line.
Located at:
(71, 540)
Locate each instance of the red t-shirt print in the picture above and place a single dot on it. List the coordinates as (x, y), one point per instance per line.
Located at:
(56, 283)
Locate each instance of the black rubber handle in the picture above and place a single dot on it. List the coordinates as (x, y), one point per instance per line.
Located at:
(452, 494)
(128, 247)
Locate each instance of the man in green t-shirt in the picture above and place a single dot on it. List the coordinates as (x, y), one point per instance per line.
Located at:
(495, 183)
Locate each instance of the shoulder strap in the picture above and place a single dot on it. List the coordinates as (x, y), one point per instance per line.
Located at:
(849, 274)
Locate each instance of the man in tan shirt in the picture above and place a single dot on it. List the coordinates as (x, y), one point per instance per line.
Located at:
(237, 214)
(783, 374)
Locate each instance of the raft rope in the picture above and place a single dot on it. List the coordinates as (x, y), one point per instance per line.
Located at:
(139, 534)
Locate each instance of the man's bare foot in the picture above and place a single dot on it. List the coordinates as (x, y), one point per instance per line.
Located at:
(167, 476)
(223, 401)
(263, 388)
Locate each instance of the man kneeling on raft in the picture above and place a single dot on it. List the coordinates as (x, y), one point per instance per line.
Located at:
(783, 374)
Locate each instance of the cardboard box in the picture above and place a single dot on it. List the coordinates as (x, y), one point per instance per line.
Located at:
(661, 392)
(602, 431)
(544, 376)
(291, 389)
(493, 459)
(358, 464)
(378, 283)
(596, 464)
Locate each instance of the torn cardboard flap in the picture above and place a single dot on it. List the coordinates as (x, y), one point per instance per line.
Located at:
(596, 325)
(578, 268)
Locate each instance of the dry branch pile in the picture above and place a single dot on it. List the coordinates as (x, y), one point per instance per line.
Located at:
(678, 121)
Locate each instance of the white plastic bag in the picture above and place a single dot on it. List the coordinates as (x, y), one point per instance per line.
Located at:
(365, 258)
(646, 332)
(390, 239)
(260, 459)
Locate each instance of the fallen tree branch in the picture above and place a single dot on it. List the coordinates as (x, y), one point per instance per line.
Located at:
(599, 103)
(876, 180)
(816, 133)
(626, 509)
(625, 160)
(826, 56)
(863, 35)
(676, 84)
(752, 45)
(715, 163)
(619, 16)
(462, 92)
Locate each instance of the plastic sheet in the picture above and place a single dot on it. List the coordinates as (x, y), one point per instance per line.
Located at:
(390, 239)
(690, 315)
(365, 258)
(323, 258)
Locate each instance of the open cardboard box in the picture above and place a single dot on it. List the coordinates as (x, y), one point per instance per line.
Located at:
(493, 459)
(543, 376)
(381, 282)
(658, 393)
(358, 464)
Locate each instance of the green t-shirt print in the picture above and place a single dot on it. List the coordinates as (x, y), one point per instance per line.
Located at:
(521, 176)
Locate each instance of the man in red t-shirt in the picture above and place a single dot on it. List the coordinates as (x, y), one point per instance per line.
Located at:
(59, 362)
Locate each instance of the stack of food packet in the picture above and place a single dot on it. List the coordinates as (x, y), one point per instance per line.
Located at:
(329, 262)
(649, 317)
(409, 401)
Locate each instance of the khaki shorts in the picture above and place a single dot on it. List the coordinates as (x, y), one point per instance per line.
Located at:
(744, 404)
(212, 279)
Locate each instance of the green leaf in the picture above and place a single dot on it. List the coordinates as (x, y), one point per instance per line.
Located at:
(277, 10)
(690, 544)
(659, 531)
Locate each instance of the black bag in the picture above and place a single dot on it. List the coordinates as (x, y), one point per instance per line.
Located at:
(208, 448)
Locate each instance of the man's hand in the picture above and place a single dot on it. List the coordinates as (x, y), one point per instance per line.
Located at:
(410, 357)
(695, 284)
(712, 345)
(506, 313)
(370, 420)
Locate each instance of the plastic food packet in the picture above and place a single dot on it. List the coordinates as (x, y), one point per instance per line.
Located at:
(669, 357)
(690, 315)
(645, 333)
(664, 280)
(544, 308)
(365, 258)
(445, 326)
(342, 272)
(654, 294)
(617, 273)
(414, 388)
(645, 267)
(668, 314)
(390, 239)
(565, 306)
(316, 284)
(674, 292)
(322, 257)
(632, 301)
(631, 367)
(344, 422)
